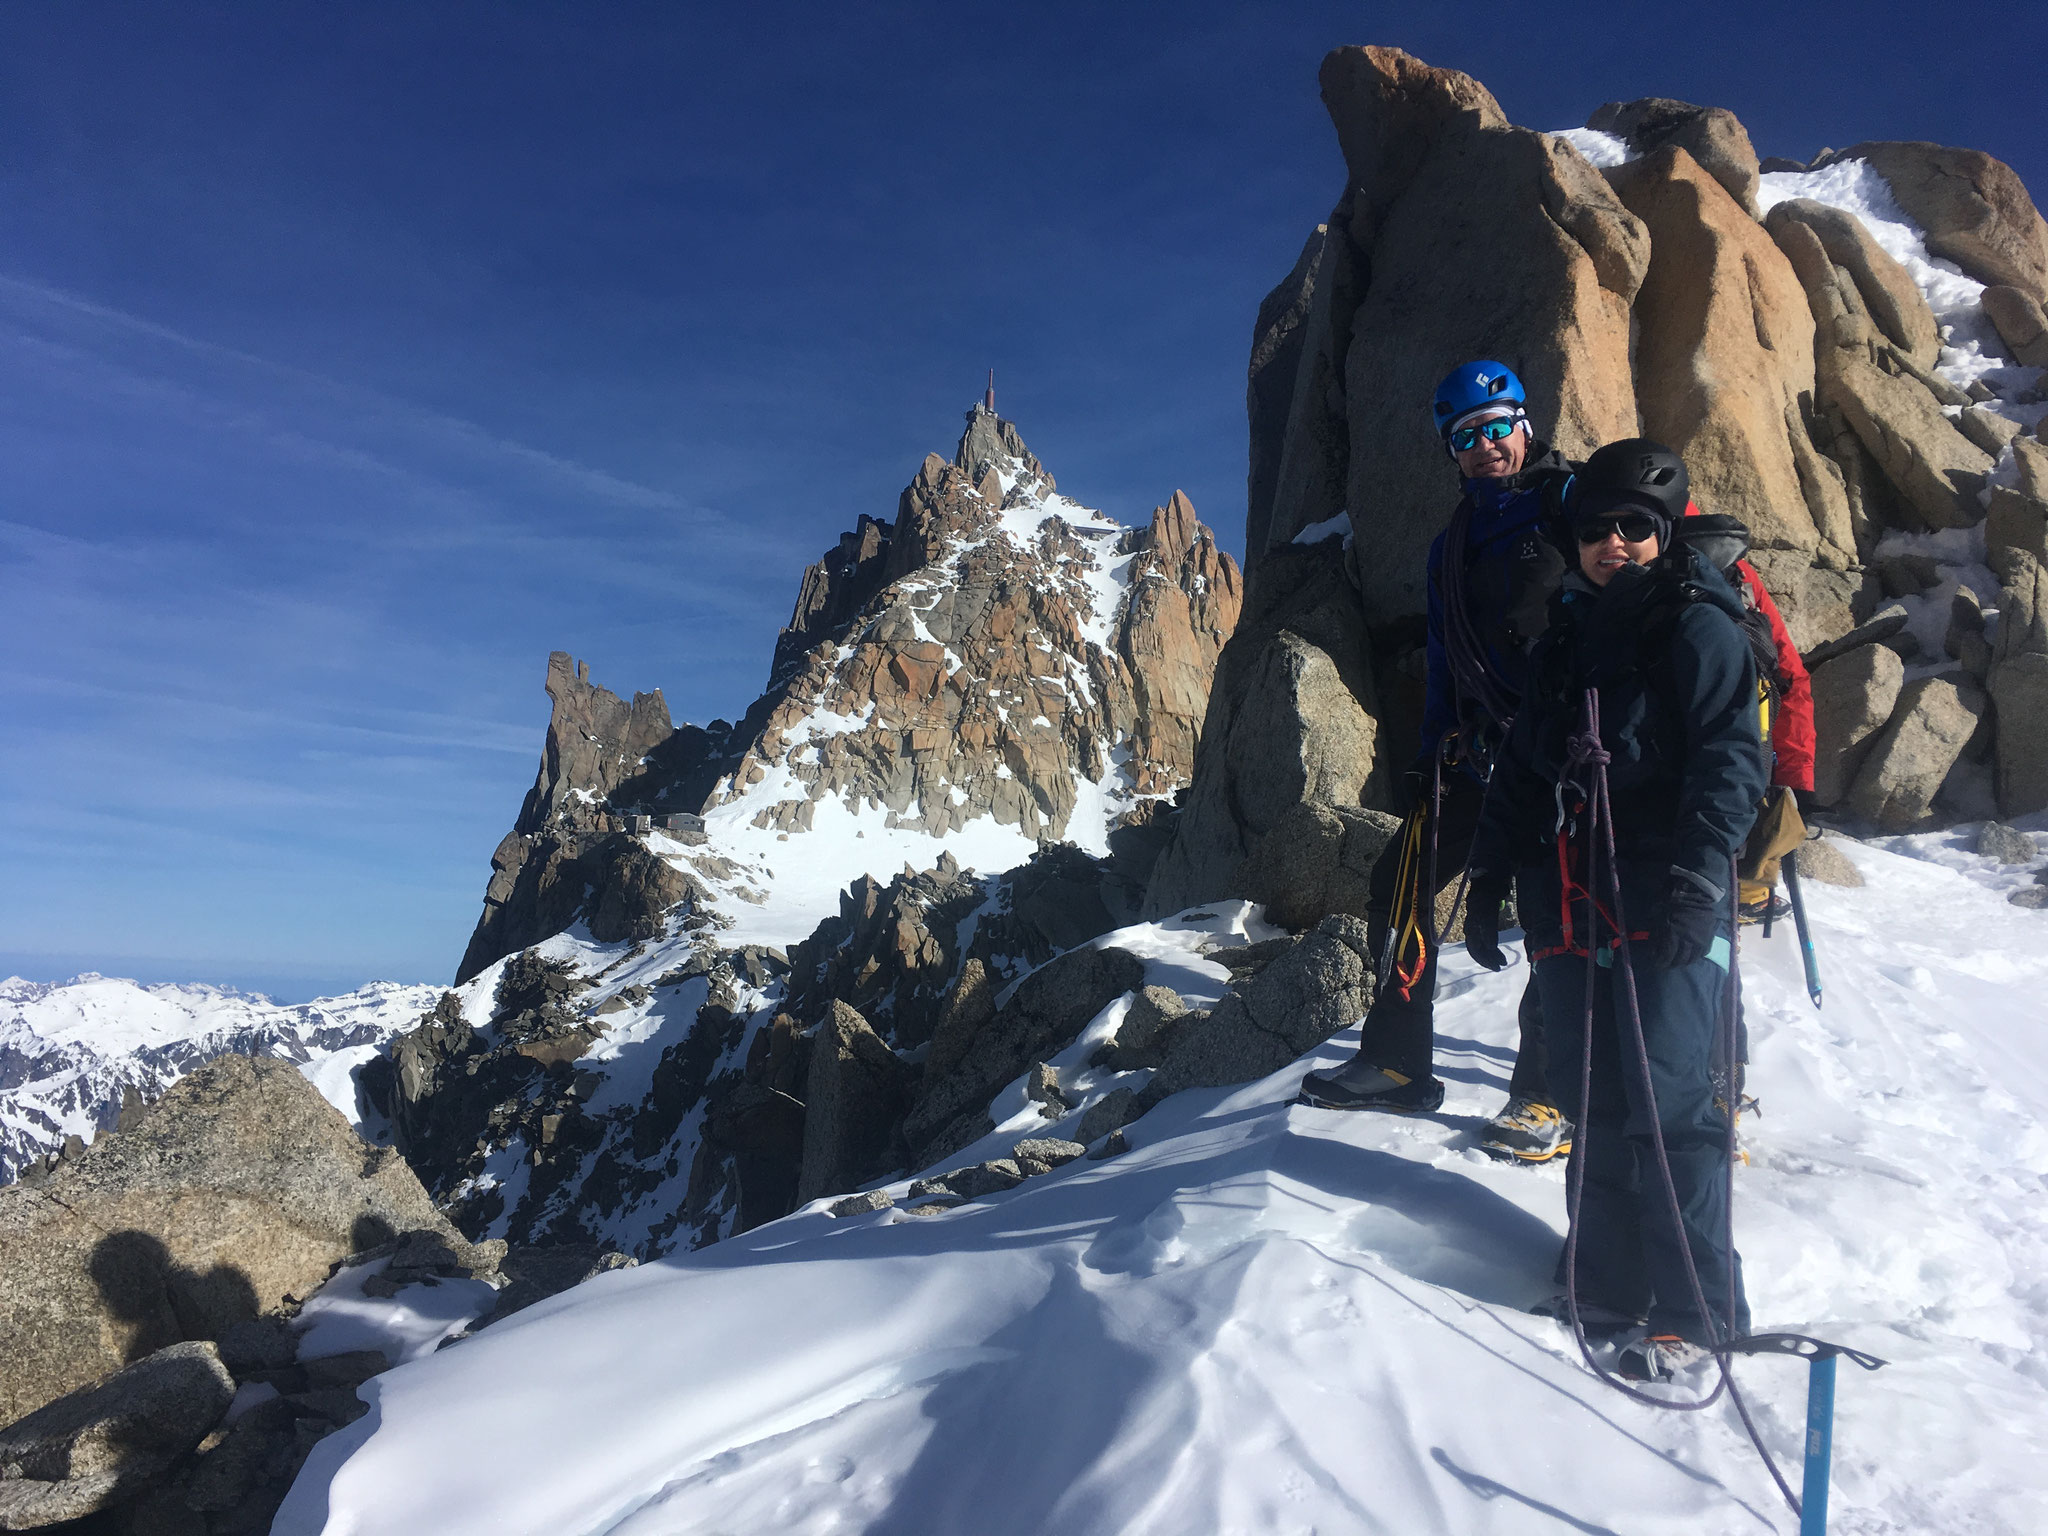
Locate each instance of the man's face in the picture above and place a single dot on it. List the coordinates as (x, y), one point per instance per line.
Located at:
(1489, 458)
(1605, 545)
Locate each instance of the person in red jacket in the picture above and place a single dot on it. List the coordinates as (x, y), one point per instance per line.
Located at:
(1791, 716)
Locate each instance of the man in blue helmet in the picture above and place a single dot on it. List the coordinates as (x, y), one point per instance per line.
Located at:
(1485, 609)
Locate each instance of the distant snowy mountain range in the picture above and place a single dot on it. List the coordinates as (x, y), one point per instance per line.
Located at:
(71, 1051)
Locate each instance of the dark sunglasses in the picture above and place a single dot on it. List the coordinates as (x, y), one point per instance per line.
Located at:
(1634, 527)
(1493, 431)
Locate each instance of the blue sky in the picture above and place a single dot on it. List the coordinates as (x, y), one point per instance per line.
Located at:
(354, 357)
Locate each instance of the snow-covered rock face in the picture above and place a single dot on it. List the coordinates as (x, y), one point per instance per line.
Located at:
(70, 1051)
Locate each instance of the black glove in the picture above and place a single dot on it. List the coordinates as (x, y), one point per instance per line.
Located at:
(1482, 921)
(1803, 798)
(1692, 921)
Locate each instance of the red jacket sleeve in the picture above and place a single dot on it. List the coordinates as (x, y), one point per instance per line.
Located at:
(1792, 723)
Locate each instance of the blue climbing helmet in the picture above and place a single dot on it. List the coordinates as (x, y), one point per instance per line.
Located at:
(1474, 387)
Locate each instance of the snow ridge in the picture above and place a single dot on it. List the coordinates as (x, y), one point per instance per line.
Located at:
(1265, 1317)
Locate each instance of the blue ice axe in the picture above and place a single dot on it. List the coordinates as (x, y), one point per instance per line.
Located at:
(1790, 865)
(1820, 1411)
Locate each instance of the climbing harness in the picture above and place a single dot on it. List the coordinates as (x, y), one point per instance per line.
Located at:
(1586, 773)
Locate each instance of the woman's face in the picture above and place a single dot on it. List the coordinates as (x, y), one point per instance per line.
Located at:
(1605, 545)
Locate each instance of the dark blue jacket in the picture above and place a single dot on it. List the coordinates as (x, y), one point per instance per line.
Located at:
(1678, 713)
(1511, 572)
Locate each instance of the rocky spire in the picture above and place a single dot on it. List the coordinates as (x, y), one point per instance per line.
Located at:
(1024, 654)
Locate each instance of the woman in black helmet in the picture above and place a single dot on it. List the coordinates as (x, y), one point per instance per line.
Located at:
(1651, 631)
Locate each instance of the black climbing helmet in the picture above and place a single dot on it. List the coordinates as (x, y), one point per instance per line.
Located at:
(1634, 472)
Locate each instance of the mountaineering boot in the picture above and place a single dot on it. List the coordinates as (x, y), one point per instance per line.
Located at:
(1527, 1131)
(1358, 1084)
(1601, 1323)
(1658, 1357)
(1777, 906)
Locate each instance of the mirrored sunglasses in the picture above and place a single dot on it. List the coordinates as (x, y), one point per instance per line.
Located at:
(1493, 431)
(1634, 527)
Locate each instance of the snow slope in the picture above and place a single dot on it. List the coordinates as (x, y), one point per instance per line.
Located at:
(1277, 1319)
(69, 1049)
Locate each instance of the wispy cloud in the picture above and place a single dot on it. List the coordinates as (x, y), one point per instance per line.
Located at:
(39, 301)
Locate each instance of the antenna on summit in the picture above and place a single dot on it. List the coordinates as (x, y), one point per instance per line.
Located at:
(988, 401)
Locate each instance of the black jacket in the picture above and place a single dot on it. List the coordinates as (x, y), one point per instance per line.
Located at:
(1511, 570)
(1678, 714)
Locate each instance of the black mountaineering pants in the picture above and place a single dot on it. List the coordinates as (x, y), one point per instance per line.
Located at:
(1631, 1257)
(1400, 1034)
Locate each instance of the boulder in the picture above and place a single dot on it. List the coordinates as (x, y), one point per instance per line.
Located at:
(1934, 720)
(1109, 1113)
(1936, 470)
(1291, 719)
(1907, 575)
(1815, 603)
(863, 1204)
(973, 1183)
(1822, 859)
(236, 1192)
(2019, 685)
(1712, 136)
(1882, 629)
(1147, 1024)
(1991, 430)
(534, 1273)
(1049, 1150)
(2017, 521)
(858, 1092)
(1878, 412)
(1854, 695)
(1965, 639)
(1473, 238)
(1315, 860)
(2032, 897)
(1972, 208)
(1890, 296)
(1042, 1087)
(2007, 845)
(1319, 986)
(1724, 360)
(103, 1444)
(2018, 318)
